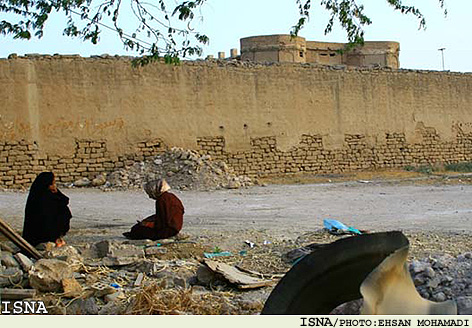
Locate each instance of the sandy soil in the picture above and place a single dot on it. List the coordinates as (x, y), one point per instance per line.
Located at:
(280, 212)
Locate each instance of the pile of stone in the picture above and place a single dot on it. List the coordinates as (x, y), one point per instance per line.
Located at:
(443, 277)
(437, 278)
(183, 169)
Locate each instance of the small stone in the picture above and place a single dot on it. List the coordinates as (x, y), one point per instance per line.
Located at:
(233, 185)
(114, 297)
(439, 297)
(429, 272)
(419, 280)
(417, 266)
(148, 267)
(447, 278)
(205, 276)
(103, 248)
(434, 283)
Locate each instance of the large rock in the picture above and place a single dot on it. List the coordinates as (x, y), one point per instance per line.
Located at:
(100, 180)
(67, 254)
(47, 275)
(82, 182)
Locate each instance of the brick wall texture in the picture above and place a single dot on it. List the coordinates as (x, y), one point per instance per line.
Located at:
(81, 117)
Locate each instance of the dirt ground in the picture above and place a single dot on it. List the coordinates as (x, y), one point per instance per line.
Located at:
(276, 212)
(434, 212)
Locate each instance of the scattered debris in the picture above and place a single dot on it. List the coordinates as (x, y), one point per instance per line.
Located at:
(236, 276)
(217, 254)
(176, 281)
(297, 254)
(16, 294)
(139, 280)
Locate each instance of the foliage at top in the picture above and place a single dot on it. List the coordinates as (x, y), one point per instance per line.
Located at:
(163, 28)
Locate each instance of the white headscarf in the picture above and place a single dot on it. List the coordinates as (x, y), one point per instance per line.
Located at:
(156, 187)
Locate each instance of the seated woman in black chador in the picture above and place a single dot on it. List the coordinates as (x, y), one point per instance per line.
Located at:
(47, 216)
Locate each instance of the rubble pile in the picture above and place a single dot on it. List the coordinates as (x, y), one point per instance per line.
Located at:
(443, 277)
(183, 169)
(175, 276)
(121, 277)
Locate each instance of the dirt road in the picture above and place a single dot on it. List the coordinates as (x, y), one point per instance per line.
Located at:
(280, 211)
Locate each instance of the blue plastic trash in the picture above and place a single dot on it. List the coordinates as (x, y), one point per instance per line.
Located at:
(338, 228)
(210, 255)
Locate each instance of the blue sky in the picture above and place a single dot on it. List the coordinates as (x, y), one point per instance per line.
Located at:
(226, 21)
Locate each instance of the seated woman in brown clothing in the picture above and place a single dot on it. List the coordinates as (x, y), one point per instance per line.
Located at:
(168, 220)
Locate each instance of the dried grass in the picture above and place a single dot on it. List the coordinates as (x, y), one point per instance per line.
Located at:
(153, 299)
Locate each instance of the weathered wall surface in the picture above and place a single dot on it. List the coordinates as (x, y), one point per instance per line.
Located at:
(82, 116)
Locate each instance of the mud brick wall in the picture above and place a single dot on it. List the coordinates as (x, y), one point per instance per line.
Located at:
(81, 117)
(310, 156)
(21, 162)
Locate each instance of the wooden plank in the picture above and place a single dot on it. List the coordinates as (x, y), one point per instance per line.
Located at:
(16, 294)
(6, 230)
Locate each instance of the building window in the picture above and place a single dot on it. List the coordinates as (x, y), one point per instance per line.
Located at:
(301, 54)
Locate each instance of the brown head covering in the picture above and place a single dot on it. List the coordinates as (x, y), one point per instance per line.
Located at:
(156, 187)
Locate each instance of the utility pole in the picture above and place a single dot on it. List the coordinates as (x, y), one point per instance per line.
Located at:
(442, 56)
